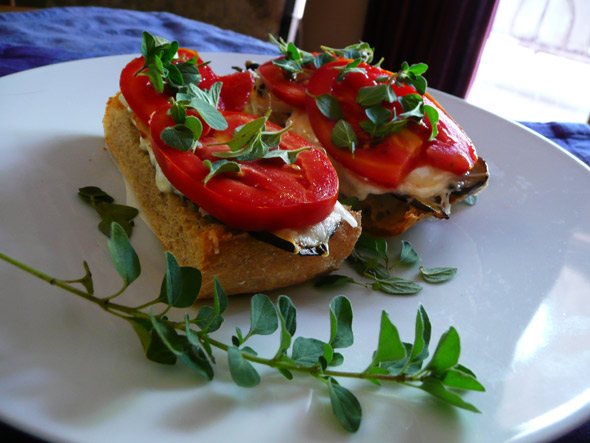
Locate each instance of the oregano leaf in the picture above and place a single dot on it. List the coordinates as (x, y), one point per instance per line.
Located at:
(155, 350)
(196, 359)
(332, 281)
(123, 255)
(307, 351)
(179, 137)
(437, 275)
(287, 314)
(396, 286)
(470, 200)
(390, 347)
(457, 379)
(369, 96)
(219, 167)
(337, 359)
(173, 279)
(263, 316)
(343, 136)
(168, 335)
(241, 370)
(341, 335)
(285, 373)
(432, 115)
(408, 254)
(191, 279)
(345, 406)
(422, 332)
(219, 297)
(329, 106)
(436, 388)
(447, 352)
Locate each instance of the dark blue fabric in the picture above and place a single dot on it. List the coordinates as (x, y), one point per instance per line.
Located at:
(575, 137)
(41, 37)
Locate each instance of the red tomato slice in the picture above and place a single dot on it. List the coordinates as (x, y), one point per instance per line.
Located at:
(395, 156)
(266, 195)
(139, 93)
(291, 90)
(143, 99)
(451, 150)
(236, 90)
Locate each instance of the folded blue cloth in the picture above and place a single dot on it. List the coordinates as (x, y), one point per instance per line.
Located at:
(41, 37)
(575, 137)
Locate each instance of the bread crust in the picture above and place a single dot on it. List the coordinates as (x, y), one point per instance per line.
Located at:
(241, 263)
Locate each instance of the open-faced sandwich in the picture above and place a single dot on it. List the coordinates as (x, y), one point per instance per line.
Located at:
(400, 157)
(229, 193)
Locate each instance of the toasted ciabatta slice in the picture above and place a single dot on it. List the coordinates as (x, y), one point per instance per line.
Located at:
(241, 263)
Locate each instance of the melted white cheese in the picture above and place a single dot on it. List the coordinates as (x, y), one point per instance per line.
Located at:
(319, 233)
(426, 183)
(300, 125)
(162, 182)
(262, 100)
(144, 144)
(423, 182)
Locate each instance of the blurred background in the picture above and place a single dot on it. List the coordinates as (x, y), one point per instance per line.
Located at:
(526, 60)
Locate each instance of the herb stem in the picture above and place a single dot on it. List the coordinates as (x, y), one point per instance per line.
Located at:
(116, 294)
(147, 305)
(308, 369)
(113, 308)
(125, 311)
(45, 277)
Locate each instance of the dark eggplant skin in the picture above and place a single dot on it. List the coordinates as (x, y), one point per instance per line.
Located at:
(388, 215)
(290, 246)
(468, 184)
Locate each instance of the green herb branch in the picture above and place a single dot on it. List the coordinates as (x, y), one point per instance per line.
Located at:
(159, 55)
(190, 341)
(371, 259)
(251, 142)
(381, 121)
(295, 60)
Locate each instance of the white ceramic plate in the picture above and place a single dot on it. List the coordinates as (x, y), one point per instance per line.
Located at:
(69, 371)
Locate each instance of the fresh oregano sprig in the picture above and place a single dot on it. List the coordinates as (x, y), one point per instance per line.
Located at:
(294, 58)
(252, 142)
(205, 102)
(371, 259)
(187, 131)
(382, 122)
(343, 134)
(166, 341)
(158, 55)
(361, 51)
(349, 68)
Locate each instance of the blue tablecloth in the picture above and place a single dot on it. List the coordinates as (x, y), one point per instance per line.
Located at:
(41, 37)
(45, 36)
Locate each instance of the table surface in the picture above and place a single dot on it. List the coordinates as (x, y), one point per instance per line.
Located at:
(41, 37)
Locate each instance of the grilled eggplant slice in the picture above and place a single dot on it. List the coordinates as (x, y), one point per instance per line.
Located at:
(311, 240)
(388, 215)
